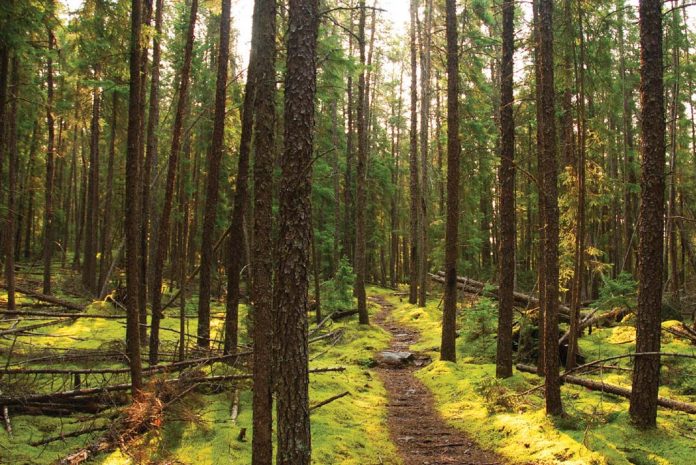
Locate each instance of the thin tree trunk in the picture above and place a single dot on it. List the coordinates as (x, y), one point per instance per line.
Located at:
(212, 182)
(106, 239)
(164, 223)
(361, 181)
(425, 152)
(235, 248)
(89, 268)
(13, 157)
(48, 199)
(413, 167)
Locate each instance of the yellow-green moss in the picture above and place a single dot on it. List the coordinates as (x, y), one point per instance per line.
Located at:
(596, 429)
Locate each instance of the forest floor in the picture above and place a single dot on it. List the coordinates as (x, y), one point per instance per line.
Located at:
(415, 426)
(427, 414)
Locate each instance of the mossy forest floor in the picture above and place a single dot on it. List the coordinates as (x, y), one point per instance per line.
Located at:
(504, 417)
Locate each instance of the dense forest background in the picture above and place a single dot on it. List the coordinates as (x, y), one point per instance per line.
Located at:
(521, 172)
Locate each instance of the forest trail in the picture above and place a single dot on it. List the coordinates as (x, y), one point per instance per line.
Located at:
(421, 435)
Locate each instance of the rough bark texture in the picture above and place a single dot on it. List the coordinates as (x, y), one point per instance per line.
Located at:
(163, 233)
(106, 241)
(132, 193)
(507, 198)
(361, 184)
(294, 441)
(449, 315)
(549, 172)
(646, 374)
(262, 269)
(413, 166)
(212, 182)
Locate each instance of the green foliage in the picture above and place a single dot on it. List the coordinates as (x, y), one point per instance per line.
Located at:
(339, 294)
(617, 292)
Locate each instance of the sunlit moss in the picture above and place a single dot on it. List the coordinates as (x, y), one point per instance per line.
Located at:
(596, 429)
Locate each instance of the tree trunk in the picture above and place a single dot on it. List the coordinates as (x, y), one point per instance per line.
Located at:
(361, 180)
(424, 149)
(549, 171)
(646, 374)
(235, 248)
(106, 240)
(89, 268)
(294, 441)
(413, 167)
(449, 315)
(13, 157)
(262, 259)
(163, 233)
(212, 183)
(507, 198)
(132, 212)
(48, 199)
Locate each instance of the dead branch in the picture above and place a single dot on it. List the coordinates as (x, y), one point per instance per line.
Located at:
(328, 401)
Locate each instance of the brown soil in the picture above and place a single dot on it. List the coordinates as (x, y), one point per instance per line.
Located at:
(421, 435)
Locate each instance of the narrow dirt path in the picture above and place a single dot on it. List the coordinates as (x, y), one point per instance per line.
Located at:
(421, 435)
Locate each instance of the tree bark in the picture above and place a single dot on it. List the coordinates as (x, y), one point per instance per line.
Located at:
(507, 198)
(294, 441)
(11, 185)
(89, 268)
(132, 194)
(361, 180)
(549, 172)
(646, 374)
(449, 315)
(415, 253)
(262, 260)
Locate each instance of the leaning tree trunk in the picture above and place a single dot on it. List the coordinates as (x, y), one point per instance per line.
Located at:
(291, 292)
(163, 233)
(646, 372)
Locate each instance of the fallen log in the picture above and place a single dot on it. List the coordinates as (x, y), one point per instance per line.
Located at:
(84, 394)
(30, 327)
(48, 298)
(336, 316)
(615, 390)
(170, 367)
(73, 434)
(477, 287)
(328, 401)
(63, 315)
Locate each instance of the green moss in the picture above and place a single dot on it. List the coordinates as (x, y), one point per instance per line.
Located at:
(595, 430)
